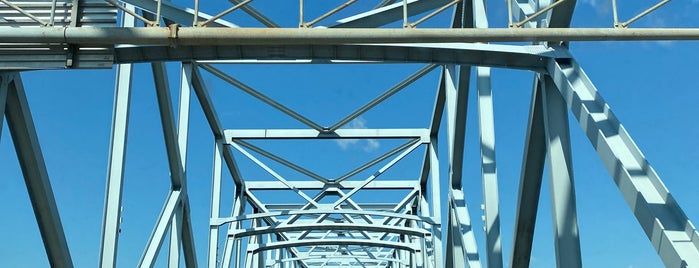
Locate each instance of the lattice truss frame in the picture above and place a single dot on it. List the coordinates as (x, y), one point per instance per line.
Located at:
(345, 232)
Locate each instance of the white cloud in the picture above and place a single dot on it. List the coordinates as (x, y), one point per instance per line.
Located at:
(593, 3)
(602, 7)
(368, 145)
(371, 145)
(345, 144)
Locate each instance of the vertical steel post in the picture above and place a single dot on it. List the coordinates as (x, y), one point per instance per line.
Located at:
(560, 165)
(36, 178)
(435, 198)
(488, 168)
(175, 238)
(176, 145)
(188, 249)
(117, 155)
(162, 89)
(215, 203)
(530, 181)
(456, 108)
(454, 250)
(231, 242)
(182, 131)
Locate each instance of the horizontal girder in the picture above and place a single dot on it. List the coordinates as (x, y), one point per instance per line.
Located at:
(216, 36)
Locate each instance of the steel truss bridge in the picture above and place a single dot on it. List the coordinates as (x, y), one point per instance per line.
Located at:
(330, 221)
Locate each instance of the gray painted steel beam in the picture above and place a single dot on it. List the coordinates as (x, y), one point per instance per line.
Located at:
(179, 15)
(188, 249)
(330, 226)
(387, 14)
(233, 134)
(436, 202)
(207, 106)
(343, 242)
(506, 56)
(157, 236)
(560, 166)
(4, 83)
(215, 209)
(316, 185)
(195, 36)
(283, 161)
(230, 244)
(530, 182)
(117, 153)
(258, 206)
(385, 214)
(115, 168)
(455, 247)
(173, 257)
(464, 233)
(325, 257)
(456, 109)
(36, 178)
(562, 14)
(491, 205)
(256, 14)
(673, 236)
(256, 94)
(385, 95)
(185, 230)
(162, 89)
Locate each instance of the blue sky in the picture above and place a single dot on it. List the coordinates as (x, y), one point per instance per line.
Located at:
(651, 86)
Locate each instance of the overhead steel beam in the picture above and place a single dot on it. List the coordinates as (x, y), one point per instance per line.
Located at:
(317, 185)
(330, 242)
(505, 56)
(385, 95)
(262, 97)
(283, 161)
(562, 14)
(179, 15)
(326, 257)
(192, 36)
(331, 227)
(256, 14)
(36, 178)
(406, 133)
(321, 211)
(387, 14)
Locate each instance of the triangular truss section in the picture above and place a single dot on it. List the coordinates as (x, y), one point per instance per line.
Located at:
(356, 219)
